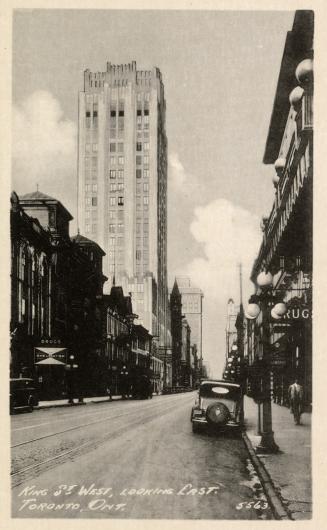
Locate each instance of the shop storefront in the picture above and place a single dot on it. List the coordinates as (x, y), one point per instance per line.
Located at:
(51, 369)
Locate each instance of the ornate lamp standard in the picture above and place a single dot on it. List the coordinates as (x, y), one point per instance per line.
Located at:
(263, 303)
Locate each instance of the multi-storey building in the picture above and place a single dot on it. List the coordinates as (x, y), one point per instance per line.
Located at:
(176, 334)
(186, 364)
(231, 331)
(56, 287)
(286, 249)
(182, 351)
(192, 298)
(122, 184)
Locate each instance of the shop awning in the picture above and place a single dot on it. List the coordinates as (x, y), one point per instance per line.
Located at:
(54, 356)
(51, 360)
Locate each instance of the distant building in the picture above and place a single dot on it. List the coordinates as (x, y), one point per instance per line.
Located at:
(231, 331)
(176, 334)
(186, 368)
(183, 353)
(192, 308)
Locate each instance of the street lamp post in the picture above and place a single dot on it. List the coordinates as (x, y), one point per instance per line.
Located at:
(71, 368)
(264, 281)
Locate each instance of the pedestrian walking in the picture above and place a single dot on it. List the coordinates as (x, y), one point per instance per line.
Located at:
(109, 392)
(295, 395)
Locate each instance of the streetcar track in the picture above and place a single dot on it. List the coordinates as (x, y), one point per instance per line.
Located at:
(67, 430)
(92, 444)
(130, 410)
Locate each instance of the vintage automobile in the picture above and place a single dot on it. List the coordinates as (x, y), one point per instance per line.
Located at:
(23, 394)
(219, 404)
(142, 387)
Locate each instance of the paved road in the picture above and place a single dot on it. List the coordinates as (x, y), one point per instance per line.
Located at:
(129, 459)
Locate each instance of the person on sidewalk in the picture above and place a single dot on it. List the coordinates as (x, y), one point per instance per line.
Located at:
(295, 395)
(109, 392)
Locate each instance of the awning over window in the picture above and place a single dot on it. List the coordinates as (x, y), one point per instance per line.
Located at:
(54, 356)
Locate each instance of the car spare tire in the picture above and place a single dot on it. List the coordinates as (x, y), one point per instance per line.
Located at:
(217, 413)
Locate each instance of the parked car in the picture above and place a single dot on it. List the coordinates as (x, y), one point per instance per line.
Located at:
(142, 387)
(219, 404)
(23, 394)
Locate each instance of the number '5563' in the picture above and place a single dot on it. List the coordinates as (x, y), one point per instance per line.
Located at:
(256, 505)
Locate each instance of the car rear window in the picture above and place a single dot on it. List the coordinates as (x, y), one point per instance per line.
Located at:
(219, 391)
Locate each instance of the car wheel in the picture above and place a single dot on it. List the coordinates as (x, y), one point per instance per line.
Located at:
(217, 414)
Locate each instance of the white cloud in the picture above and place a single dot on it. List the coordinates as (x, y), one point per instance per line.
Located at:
(177, 173)
(44, 149)
(229, 235)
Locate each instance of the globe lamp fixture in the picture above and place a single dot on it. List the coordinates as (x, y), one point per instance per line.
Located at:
(252, 311)
(264, 279)
(275, 180)
(280, 309)
(279, 165)
(274, 314)
(304, 71)
(296, 96)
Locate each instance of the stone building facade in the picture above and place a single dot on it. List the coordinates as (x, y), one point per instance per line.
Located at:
(56, 288)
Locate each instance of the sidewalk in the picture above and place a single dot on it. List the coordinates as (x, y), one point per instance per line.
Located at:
(290, 469)
(64, 402)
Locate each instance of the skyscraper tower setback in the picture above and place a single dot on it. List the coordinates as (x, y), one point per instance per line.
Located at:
(122, 183)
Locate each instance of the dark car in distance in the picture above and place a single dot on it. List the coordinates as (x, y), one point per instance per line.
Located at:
(219, 404)
(23, 394)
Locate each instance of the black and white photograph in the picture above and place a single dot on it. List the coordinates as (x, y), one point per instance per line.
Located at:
(160, 236)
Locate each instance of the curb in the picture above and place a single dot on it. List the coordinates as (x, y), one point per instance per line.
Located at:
(274, 500)
(57, 405)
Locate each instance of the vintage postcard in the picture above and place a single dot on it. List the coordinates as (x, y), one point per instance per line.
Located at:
(160, 263)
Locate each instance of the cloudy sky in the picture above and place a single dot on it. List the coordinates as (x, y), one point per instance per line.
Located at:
(220, 71)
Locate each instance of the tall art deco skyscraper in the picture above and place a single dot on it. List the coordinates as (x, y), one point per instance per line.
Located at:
(122, 183)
